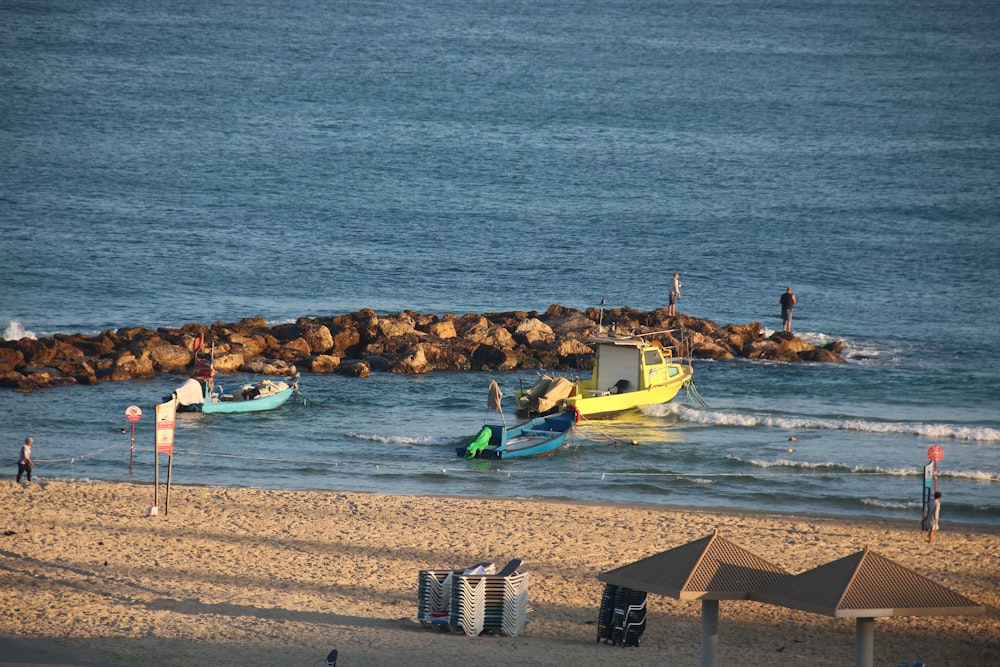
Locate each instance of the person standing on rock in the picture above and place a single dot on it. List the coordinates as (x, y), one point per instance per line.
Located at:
(24, 462)
(787, 303)
(675, 294)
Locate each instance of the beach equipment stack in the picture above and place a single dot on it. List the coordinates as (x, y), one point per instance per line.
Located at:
(475, 600)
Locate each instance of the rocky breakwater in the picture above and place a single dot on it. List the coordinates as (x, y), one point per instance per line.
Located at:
(358, 343)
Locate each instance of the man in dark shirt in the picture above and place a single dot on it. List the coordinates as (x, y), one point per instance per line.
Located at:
(787, 302)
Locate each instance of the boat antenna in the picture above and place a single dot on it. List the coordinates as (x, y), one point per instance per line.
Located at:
(600, 323)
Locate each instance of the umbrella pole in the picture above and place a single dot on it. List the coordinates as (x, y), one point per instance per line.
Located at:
(709, 633)
(864, 642)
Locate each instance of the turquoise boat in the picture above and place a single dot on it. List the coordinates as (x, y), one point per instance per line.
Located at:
(539, 437)
(201, 394)
(266, 394)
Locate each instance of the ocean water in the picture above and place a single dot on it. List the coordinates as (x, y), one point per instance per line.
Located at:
(173, 162)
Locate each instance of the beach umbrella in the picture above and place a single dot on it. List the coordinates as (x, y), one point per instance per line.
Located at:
(866, 586)
(709, 569)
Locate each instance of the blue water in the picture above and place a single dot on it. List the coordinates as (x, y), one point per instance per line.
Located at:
(168, 162)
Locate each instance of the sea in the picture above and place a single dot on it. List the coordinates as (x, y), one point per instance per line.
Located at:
(170, 162)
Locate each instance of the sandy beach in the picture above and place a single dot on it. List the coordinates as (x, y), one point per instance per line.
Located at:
(260, 577)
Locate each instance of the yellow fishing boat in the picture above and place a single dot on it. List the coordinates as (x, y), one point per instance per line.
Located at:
(628, 373)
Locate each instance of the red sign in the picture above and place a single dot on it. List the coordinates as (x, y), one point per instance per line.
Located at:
(133, 413)
(935, 453)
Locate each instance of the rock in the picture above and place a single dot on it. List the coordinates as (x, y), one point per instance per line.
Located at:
(10, 358)
(78, 369)
(822, 355)
(324, 363)
(377, 363)
(492, 358)
(563, 321)
(269, 367)
(836, 347)
(448, 354)
(393, 327)
(534, 333)
(168, 358)
(346, 343)
(573, 347)
(128, 366)
(316, 335)
(292, 350)
(414, 363)
(229, 362)
(708, 349)
(443, 329)
(253, 344)
(359, 369)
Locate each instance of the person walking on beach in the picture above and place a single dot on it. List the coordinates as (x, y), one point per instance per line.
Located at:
(787, 303)
(24, 462)
(933, 513)
(675, 294)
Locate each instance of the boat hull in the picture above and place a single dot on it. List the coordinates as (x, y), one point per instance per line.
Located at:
(602, 405)
(261, 404)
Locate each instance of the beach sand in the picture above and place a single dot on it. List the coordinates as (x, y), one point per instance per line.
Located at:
(261, 577)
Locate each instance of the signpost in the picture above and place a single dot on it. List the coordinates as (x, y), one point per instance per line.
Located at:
(165, 414)
(133, 414)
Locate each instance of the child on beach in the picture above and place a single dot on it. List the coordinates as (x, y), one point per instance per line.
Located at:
(933, 512)
(24, 462)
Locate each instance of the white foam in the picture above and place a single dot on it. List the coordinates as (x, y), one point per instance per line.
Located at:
(391, 439)
(832, 466)
(15, 331)
(877, 502)
(928, 430)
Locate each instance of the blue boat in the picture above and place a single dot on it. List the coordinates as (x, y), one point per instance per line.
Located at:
(266, 394)
(539, 437)
(201, 394)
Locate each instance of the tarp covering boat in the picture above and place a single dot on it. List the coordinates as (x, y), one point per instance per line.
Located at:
(557, 390)
(190, 393)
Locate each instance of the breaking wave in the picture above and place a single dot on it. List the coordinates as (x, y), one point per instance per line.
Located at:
(15, 331)
(832, 467)
(927, 430)
(390, 439)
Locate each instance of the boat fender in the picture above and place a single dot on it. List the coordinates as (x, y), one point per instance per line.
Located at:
(576, 413)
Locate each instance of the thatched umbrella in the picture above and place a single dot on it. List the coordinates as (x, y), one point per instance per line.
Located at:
(866, 586)
(709, 569)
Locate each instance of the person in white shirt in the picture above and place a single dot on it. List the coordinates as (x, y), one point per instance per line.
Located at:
(24, 462)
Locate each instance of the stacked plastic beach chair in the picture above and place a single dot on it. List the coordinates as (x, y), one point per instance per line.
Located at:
(434, 590)
(622, 618)
(475, 600)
